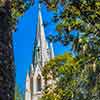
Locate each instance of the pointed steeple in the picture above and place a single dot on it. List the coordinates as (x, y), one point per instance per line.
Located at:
(41, 43)
(32, 69)
(51, 51)
(40, 29)
(27, 81)
(40, 57)
(27, 91)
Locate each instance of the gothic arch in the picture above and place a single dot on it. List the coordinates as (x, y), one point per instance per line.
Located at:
(31, 85)
(39, 83)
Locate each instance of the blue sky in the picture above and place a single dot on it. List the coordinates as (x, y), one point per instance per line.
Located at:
(23, 41)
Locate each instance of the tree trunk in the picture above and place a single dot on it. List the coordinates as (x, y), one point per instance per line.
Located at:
(7, 67)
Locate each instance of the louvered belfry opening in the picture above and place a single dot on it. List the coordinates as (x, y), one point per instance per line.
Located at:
(7, 67)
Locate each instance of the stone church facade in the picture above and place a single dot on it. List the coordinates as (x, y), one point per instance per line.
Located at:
(42, 53)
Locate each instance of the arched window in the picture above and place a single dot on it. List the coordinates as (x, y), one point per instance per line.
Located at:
(31, 81)
(39, 83)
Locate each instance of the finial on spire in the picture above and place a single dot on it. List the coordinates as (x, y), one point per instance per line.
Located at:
(39, 6)
(27, 76)
(51, 50)
(31, 69)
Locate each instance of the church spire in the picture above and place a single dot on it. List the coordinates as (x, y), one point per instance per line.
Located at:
(40, 28)
(41, 42)
(27, 90)
(51, 51)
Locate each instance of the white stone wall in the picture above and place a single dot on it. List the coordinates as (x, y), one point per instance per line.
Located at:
(37, 94)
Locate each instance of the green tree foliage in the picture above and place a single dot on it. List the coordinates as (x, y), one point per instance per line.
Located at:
(10, 10)
(18, 94)
(18, 8)
(84, 16)
(81, 15)
(70, 80)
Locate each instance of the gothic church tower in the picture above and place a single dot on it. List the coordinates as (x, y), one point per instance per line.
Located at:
(41, 54)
